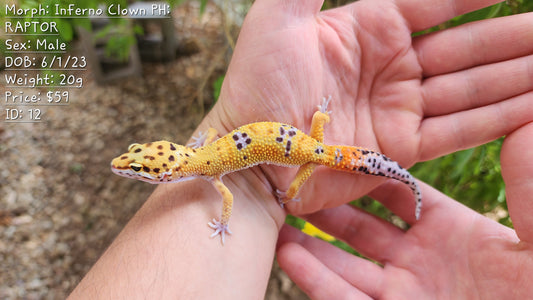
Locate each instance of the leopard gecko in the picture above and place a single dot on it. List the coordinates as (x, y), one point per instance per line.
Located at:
(250, 145)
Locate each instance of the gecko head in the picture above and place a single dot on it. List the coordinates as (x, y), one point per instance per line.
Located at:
(155, 162)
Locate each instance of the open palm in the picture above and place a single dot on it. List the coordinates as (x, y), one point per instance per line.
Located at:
(410, 98)
(452, 253)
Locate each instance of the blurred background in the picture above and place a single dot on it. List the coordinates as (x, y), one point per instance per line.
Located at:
(138, 78)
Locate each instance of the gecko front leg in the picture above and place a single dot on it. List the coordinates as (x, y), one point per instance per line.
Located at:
(221, 227)
(203, 138)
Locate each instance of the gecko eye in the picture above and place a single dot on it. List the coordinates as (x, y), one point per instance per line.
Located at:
(135, 167)
(132, 145)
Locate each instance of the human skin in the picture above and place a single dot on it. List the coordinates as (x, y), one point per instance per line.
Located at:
(411, 99)
(452, 253)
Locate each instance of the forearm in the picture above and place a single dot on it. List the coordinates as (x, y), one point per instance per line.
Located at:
(165, 250)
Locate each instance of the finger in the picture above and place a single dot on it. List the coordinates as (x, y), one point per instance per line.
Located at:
(478, 86)
(399, 199)
(517, 172)
(476, 43)
(317, 280)
(361, 273)
(368, 234)
(445, 134)
(421, 15)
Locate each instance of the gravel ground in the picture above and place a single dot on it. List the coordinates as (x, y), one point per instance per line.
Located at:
(60, 205)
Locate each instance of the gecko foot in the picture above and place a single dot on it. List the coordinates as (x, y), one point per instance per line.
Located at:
(323, 108)
(198, 141)
(282, 198)
(220, 229)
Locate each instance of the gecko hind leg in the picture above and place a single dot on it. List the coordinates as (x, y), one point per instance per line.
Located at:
(301, 177)
(320, 118)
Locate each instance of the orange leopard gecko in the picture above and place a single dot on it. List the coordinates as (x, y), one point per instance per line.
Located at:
(247, 146)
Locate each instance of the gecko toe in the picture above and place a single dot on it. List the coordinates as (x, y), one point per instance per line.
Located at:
(282, 198)
(323, 108)
(220, 229)
(198, 141)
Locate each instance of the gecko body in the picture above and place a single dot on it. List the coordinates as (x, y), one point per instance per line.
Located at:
(250, 145)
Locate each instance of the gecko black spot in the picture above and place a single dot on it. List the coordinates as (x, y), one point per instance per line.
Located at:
(177, 168)
(279, 139)
(388, 170)
(171, 158)
(281, 131)
(245, 157)
(235, 137)
(288, 148)
(208, 162)
(146, 169)
(160, 153)
(361, 168)
(317, 151)
(292, 133)
(248, 140)
(369, 160)
(160, 147)
(286, 154)
(393, 171)
(137, 150)
(164, 165)
(187, 154)
(156, 170)
(124, 157)
(172, 147)
(185, 162)
(381, 174)
(239, 146)
(194, 150)
(244, 135)
(365, 152)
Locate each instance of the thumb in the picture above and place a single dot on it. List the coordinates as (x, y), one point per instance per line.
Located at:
(517, 172)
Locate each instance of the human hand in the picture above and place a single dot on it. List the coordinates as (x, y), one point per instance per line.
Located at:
(452, 253)
(412, 99)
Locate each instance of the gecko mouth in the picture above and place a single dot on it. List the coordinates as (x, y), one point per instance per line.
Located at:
(135, 175)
